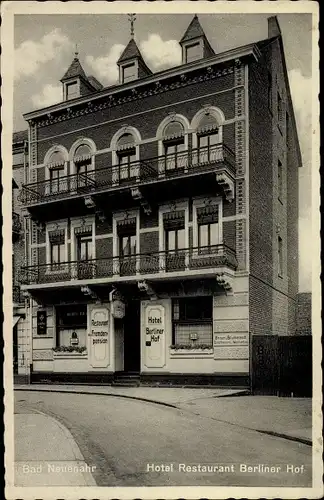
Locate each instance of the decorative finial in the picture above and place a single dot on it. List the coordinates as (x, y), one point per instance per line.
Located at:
(132, 19)
(76, 53)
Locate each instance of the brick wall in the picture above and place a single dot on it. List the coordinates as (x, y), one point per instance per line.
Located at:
(260, 312)
(149, 242)
(270, 216)
(260, 202)
(304, 314)
(147, 124)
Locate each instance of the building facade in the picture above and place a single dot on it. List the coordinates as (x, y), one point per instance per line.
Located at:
(162, 218)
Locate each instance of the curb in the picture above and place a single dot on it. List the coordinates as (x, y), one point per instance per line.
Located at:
(297, 439)
(138, 398)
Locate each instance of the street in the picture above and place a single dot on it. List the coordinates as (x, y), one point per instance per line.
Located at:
(135, 443)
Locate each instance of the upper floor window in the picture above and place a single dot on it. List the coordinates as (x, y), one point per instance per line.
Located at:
(84, 247)
(208, 136)
(57, 248)
(174, 146)
(126, 156)
(174, 231)
(128, 72)
(208, 227)
(56, 167)
(72, 90)
(193, 52)
(83, 164)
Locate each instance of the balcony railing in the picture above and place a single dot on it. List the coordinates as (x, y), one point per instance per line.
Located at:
(190, 259)
(158, 168)
(16, 223)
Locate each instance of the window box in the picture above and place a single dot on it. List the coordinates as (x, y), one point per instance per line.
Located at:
(68, 352)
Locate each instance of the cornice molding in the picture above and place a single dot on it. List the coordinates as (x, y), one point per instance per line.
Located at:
(151, 90)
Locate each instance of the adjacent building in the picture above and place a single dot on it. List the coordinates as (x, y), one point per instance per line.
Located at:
(21, 361)
(162, 218)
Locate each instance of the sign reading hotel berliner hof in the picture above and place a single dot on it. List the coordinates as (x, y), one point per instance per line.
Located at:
(99, 337)
(154, 328)
(41, 322)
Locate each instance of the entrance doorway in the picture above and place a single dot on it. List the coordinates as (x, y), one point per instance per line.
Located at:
(132, 337)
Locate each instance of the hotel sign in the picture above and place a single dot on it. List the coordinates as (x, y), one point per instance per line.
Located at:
(41, 322)
(154, 333)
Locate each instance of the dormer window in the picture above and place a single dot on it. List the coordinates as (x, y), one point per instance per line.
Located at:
(193, 52)
(72, 90)
(129, 72)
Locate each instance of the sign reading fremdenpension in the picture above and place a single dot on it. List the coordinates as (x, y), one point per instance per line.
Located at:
(99, 337)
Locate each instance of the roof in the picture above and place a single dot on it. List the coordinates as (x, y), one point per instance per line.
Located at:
(74, 70)
(94, 82)
(19, 136)
(194, 30)
(130, 52)
(249, 49)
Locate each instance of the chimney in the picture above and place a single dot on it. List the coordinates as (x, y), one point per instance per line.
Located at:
(273, 27)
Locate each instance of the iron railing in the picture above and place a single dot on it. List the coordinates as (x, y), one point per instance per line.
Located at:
(173, 165)
(16, 223)
(139, 264)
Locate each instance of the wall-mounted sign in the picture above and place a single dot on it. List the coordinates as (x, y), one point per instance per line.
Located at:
(99, 337)
(41, 322)
(118, 309)
(231, 339)
(231, 346)
(74, 340)
(154, 332)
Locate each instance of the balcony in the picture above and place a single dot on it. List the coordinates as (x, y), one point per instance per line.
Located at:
(190, 261)
(16, 225)
(163, 171)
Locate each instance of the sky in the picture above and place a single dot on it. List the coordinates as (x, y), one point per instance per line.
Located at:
(45, 46)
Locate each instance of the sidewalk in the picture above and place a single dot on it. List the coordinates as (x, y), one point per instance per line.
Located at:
(46, 454)
(290, 418)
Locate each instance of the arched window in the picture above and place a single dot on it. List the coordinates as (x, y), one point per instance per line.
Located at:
(174, 146)
(125, 155)
(83, 164)
(55, 170)
(208, 135)
(172, 135)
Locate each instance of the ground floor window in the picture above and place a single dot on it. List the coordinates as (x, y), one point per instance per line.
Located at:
(192, 321)
(71, 325)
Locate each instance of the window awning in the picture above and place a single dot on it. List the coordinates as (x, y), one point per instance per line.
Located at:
(15, 320)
